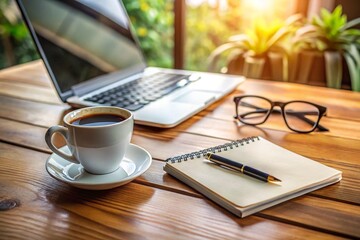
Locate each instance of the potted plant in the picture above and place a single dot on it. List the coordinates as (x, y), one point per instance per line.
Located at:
(262, 47)
(332, 38)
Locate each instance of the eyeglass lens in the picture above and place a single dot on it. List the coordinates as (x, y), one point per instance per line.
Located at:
(299, 116)
(253, 110)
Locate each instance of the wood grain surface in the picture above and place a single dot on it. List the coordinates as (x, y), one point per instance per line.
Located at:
(155, 205)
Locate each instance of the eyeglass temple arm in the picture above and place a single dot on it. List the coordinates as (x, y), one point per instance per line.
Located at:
(299, 115)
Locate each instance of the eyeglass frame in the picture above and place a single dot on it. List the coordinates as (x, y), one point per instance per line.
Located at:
(322, 112)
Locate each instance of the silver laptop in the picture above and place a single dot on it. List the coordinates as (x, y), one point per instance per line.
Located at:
(94, 59)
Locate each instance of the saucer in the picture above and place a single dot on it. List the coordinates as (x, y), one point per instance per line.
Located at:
(136, 161)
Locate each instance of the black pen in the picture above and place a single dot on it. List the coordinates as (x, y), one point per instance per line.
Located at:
(252, 172)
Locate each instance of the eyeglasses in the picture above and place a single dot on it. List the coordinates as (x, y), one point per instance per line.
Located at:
(299, 116)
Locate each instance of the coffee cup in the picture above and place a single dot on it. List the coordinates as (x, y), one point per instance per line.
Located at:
(97, 137)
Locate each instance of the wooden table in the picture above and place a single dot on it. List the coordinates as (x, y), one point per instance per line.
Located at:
(156, 206)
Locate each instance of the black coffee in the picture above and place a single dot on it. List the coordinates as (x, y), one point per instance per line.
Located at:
(98, 120)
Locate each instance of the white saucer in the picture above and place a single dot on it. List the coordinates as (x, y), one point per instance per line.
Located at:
(136, 161)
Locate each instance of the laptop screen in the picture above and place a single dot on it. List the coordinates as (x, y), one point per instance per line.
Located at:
(82, 41)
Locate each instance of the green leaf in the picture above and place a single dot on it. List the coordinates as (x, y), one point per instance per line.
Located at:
(317, 21)
(278, 36)
(239, 38)
(352, 23)
(337, 12)
(221, 49)
(326, 16)
(293, 19)
(351, 32)
(354, 52)
(343, 21)
(214, 56)
(306, 29)
(354, 71)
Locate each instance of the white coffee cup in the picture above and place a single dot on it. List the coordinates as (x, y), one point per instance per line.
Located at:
(99, 149)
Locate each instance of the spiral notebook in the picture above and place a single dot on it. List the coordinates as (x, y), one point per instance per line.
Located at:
(244, 195)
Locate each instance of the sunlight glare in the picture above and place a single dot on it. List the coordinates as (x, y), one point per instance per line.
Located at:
(258, 5)
(222, 5)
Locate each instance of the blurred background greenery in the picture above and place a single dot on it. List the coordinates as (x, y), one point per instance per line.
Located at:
(208, 24)
(153, 22)
(16, 45)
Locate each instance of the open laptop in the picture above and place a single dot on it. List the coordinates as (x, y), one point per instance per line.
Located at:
(93, 59)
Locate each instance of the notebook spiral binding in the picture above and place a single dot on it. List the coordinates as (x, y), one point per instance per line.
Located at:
(219, 148)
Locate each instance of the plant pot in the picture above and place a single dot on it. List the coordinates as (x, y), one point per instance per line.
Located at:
(308, 67)
(235, 63)
(278, 66)
(333, 67)
(253, 67)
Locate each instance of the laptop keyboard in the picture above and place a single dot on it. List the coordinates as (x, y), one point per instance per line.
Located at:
(140, 92)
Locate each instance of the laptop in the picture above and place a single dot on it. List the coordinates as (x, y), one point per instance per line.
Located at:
(93, 59)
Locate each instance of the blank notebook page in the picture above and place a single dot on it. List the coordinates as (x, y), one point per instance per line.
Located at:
(295, 171)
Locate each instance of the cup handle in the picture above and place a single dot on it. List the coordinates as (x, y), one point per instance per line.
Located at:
(65, 133)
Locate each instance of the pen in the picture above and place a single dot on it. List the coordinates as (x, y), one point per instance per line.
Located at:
(252, 172)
